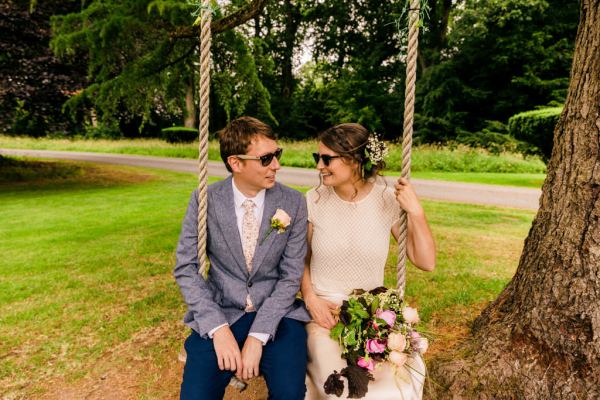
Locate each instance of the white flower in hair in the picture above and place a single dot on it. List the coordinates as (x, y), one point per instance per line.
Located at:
(376, 151)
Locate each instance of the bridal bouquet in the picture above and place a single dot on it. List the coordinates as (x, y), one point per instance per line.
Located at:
(373, 327)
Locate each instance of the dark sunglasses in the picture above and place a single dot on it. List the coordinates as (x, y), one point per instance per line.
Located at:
(325, 157)
(265, 159)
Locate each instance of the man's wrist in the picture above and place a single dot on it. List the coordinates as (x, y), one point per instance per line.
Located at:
(261, 337)
(212, 332)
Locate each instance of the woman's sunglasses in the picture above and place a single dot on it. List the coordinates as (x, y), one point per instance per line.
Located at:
(265, 159)
(325, 157)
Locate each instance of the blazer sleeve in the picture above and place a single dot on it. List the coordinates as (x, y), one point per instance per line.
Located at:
(197, 294)
(291, 268)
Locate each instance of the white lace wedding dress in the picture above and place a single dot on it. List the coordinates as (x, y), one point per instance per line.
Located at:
(350, 245)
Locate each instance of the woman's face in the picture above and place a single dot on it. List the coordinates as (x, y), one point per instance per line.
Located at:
(339, 171)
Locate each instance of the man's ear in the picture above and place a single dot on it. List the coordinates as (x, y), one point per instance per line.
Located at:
(234, 163)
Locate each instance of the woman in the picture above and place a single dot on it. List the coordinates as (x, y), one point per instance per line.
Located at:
(350, 220)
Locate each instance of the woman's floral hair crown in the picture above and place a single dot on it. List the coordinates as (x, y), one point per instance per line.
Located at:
(375, 151)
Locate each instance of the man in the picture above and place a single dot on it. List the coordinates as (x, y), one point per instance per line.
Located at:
(248, 301)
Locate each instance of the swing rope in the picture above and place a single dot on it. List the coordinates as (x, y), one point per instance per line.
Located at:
(409, 111)
(204, 92)
(205, 42)
(409, 106)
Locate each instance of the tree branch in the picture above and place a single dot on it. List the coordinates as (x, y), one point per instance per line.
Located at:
(177, 60)
(224, 24)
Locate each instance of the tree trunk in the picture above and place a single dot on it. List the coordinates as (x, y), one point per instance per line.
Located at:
(541, 338)
(435, 39)
(190, 106)
(291, 28)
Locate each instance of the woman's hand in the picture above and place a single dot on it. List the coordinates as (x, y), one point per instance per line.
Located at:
(321, 310)
(407, 198)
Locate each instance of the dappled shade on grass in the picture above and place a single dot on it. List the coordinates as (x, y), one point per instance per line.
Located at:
(23, 173)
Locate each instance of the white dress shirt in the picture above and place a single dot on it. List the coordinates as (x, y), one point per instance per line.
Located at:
(238, 200)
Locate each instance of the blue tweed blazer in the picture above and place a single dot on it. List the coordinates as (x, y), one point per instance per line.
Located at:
(278, 263)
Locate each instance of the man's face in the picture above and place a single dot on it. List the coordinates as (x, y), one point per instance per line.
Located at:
(250, 175)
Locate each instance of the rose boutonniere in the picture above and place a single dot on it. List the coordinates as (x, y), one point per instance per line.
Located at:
(280, 221)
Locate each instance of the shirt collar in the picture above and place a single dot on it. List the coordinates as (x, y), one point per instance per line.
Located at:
(239, 197)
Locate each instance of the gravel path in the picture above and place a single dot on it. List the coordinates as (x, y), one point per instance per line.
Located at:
(470, 193)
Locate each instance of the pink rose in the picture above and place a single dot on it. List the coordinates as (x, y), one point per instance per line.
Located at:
(362, 362)
(410, 315)
(375, 346)
(396, 341)
(388, 316)
(398, 358)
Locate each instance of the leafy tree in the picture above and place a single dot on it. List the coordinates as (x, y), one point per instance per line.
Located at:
(357, 53)
(142, 59)
(503, 56)
(34, 82)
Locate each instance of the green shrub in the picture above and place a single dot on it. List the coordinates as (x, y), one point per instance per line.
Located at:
(109, 132)
(180, 134)
(537, 128)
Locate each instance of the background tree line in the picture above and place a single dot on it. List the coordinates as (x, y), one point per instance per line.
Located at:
(129, 67)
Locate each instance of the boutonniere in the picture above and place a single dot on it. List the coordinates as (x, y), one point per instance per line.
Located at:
(280, 221)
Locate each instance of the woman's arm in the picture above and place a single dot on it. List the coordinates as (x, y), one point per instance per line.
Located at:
(320, 310)
(420, 246)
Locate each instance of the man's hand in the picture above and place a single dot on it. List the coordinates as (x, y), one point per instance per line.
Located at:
(227, 349)
(251, 354)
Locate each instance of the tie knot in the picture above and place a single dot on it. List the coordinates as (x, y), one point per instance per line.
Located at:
(248, 205)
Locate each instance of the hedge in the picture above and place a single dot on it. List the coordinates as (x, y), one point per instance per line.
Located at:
(536, 127)
(180, 134)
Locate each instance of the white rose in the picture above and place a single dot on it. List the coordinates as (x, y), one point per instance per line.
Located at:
(422, 345)
(398, 358)
(410, 315)
(396, 341)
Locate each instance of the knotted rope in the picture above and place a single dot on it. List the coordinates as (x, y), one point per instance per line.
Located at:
(409, 110)
(205, 42)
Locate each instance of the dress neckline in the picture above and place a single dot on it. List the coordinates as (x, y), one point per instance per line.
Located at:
(354, 202)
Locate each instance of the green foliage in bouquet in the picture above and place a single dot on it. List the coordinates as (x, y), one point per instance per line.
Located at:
(373, 327)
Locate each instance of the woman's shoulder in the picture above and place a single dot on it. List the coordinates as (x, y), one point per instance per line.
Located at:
(388, 190)
(314, 194)
(388, 196)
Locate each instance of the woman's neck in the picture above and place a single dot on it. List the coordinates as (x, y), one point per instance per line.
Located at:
(353, 191)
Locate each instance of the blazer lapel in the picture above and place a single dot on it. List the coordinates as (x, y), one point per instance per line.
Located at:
(225, 211)
(272, 203)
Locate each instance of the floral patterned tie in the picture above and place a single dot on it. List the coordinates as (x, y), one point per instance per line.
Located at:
(249, 240)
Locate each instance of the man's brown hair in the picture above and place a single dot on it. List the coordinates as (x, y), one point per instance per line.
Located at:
(238, 134)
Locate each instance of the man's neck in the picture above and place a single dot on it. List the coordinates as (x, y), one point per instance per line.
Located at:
(246, 191)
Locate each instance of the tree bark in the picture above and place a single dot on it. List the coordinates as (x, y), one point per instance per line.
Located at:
(541, 338)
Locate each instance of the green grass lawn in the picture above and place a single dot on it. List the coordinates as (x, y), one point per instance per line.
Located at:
(87, 260)
(528, 180)
(458, 163)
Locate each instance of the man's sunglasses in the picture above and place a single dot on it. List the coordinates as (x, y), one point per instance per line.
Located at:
(265, 159)
(325, 157)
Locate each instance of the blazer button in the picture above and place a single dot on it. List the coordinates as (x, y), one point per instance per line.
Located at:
(249, 284)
